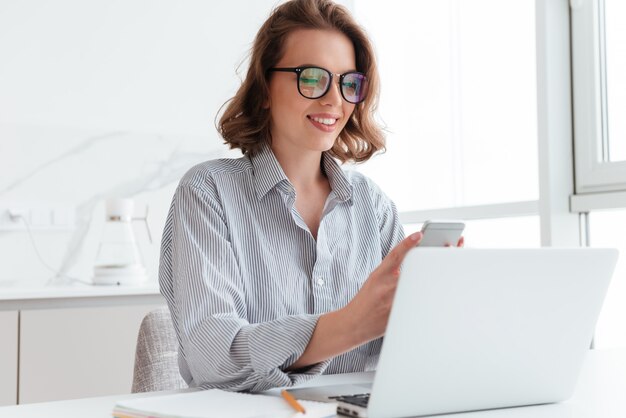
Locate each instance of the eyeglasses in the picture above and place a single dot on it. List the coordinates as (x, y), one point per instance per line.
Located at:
(314, 82)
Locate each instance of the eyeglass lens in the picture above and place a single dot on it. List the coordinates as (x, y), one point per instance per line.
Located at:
(314, 83)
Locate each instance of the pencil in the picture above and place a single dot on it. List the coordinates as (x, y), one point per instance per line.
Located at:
(292, 401)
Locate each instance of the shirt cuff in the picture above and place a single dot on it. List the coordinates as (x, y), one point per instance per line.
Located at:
(276, 345)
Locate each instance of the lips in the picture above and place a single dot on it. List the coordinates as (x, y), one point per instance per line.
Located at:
(324, 121)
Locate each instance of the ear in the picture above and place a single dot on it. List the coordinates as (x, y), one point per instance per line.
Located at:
(266, 103)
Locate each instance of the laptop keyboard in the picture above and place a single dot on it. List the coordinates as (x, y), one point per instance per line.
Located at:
(358, 400)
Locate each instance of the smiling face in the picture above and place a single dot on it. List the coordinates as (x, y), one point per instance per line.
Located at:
(299, 124)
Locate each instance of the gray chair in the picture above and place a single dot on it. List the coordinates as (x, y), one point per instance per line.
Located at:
(156, 358)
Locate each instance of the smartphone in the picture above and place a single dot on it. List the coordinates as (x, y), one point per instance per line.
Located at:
(439, 233)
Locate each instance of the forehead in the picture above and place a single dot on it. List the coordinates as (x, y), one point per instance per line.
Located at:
(326, 48)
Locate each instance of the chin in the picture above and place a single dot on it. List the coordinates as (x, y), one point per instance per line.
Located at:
(324, 145)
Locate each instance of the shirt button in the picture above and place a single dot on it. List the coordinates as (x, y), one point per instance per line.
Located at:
(320, 282)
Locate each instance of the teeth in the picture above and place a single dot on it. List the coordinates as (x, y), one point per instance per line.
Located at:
(324, 121)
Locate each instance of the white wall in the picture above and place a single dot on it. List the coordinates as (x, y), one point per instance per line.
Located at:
(106, 98)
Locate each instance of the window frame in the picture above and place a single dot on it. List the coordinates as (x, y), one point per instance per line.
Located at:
(594, 173)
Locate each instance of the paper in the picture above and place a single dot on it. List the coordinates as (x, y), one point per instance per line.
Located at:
(215, 403)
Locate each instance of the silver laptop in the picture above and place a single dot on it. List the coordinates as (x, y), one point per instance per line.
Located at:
(474, 329)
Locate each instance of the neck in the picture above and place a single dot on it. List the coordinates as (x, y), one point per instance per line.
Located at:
(303, 168)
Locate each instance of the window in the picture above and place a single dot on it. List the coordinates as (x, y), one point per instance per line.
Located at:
(615, 39)
(599, 95)
(459, 100)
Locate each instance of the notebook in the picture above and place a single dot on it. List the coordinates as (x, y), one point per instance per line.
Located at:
(215, 403)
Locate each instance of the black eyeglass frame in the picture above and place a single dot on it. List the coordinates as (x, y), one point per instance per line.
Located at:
(299, 70)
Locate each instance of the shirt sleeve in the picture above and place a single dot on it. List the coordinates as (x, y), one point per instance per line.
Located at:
(220, 347)
(391, 231)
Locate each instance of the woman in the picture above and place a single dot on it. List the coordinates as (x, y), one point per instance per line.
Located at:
(279, 266)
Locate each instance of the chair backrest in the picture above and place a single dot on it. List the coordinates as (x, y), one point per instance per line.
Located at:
(156, 358)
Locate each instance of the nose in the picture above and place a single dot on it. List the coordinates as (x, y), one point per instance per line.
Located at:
(333, 96)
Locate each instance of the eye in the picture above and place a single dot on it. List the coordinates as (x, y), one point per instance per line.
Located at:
(308, 80)
(313, 76)
(350, 85)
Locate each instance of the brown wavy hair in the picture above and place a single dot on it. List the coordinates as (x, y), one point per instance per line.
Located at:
(245, 123)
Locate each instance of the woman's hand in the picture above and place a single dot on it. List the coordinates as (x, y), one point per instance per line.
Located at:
(460, 243)
(365, 317)
(368, 312)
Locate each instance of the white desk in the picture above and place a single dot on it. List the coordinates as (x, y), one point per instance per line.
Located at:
(600, 393)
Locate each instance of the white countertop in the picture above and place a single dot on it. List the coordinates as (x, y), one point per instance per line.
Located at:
(18, 295)
(16, 290)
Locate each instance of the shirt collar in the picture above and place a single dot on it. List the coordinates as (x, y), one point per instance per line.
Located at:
(339, 182)
(268, 173)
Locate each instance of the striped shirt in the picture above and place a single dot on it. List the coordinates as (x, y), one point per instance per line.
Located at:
(246, 281)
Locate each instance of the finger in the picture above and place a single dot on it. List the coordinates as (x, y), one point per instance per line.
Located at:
(396, 256)
(461, 242)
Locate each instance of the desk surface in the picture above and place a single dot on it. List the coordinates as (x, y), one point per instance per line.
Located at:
(599, 393)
